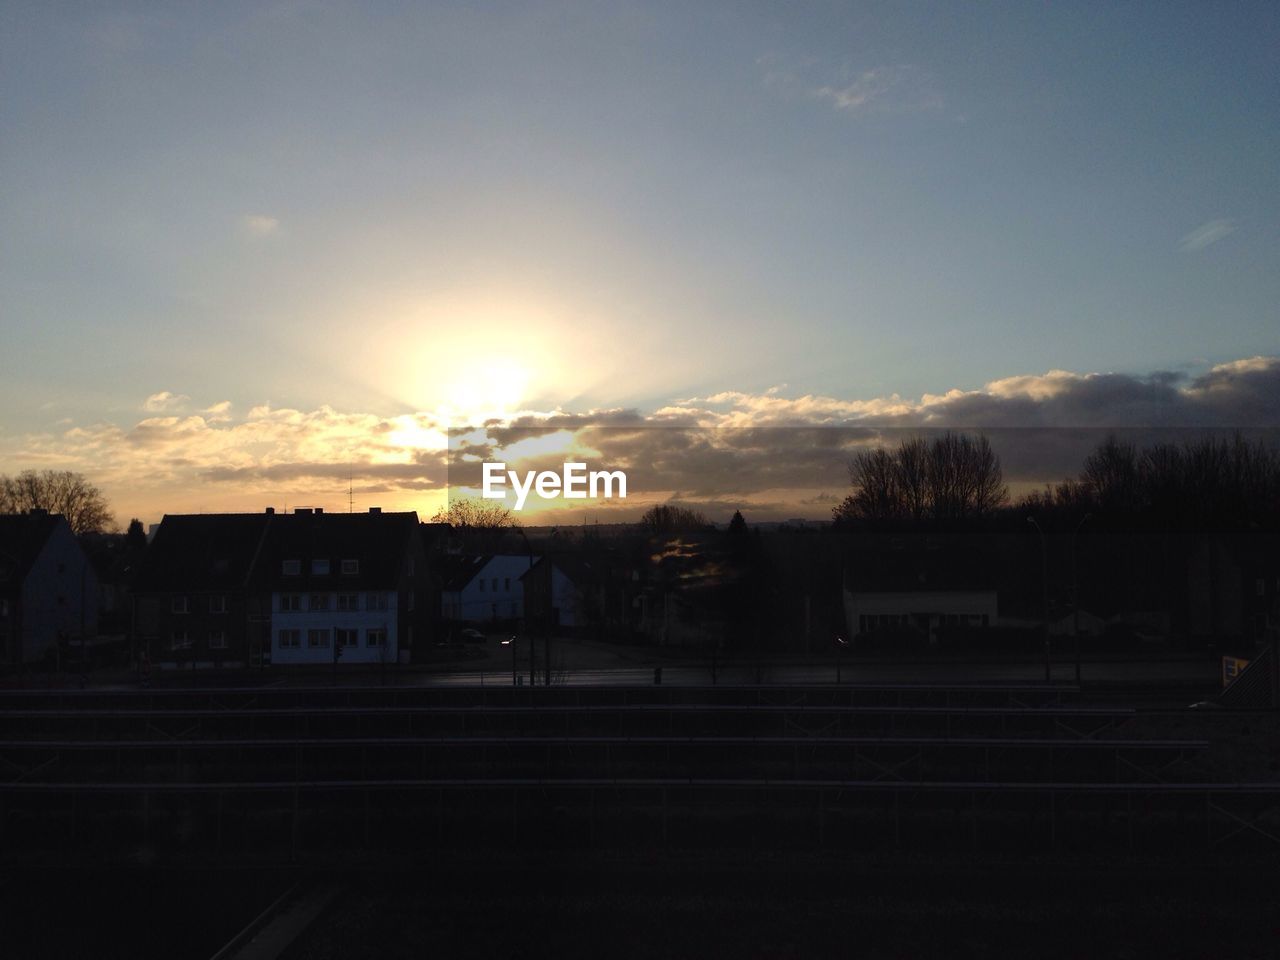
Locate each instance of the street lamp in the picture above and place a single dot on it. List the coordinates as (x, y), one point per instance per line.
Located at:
(842, 647)
(511, 642)
(1044, 592)
(1075, 593)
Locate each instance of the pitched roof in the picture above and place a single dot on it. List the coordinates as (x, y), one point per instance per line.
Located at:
(208, 551)
(376, 541)
(237, 550)
(22, 537)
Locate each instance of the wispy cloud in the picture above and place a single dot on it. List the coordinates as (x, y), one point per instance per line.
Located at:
(1207, 234)
(164, 400)
(886, 89)
(260, 224)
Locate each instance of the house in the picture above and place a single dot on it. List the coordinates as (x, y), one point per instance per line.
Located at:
(306, 587)
(194, 599)
(485, 588)
(48, 588)
(907, 587)
(925, 612)
(346, 587)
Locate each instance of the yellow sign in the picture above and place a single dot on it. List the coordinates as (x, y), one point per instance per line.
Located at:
(1232, 667)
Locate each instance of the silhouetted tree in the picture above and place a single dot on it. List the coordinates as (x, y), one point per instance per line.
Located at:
(951, 477)
(465, 514)
(57, 491)
(668, 518)
(481, 526)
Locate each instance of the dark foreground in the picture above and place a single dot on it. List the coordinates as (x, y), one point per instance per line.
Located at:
(675, 906)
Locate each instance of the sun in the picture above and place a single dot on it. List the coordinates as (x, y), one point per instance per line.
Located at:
(486, 387)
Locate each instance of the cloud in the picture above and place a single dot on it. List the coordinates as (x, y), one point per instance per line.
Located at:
(259, 224)
(1206, 235)
(886, 89)
(164, 400)
(764, 451)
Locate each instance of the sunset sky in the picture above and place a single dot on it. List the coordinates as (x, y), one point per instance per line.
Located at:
(250, 253)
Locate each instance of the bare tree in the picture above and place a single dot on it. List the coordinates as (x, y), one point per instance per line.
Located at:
(481, 526)
(466, 514)
(954, 476)
(668, 518)
(57, 491)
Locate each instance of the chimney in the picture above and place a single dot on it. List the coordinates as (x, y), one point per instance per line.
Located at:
(375, 509)
(318, 510)
(302, 511)
(271, 511)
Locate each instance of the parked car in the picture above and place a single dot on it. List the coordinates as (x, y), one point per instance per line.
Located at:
(471, 635)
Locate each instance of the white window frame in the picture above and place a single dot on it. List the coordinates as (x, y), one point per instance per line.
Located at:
(217, 639)
(290, 603)
(179, 640)
(318, 601)
(371, 633)
(179, 605)
(289, 638)
(350, 568)
(348, 603)
(346, 637)
(291, 568)
(319, 632)
(218, 603)
(320, 568)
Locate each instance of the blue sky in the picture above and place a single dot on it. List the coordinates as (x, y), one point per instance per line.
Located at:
(421, 211)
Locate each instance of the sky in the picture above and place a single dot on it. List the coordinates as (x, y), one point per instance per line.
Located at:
(264, 254)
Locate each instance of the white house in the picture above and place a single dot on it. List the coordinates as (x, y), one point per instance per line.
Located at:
(344, 587)
(924, 610)
(485, 588)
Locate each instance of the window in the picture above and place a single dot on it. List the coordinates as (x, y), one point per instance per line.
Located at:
(291, 568)
(217, 640)
(482, 584)
(320, 567)
(180, 640)
(506, 584)
(375, 638)
(375, 601)
(495, 584)
(348, 602)
(317, 638)
(290, 602)
(290, 639)
(1261, 587)
(412, 599)
(347, 638)
(350, 567)
(178, 605)
(319, 601)
(218, 604)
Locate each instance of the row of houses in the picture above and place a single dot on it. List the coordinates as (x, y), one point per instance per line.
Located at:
(310, 587)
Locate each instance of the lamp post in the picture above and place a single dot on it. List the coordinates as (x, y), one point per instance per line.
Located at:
(1075, 593)
(842, 647)
(528, 618)
(1044, 593)
(511, 642)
